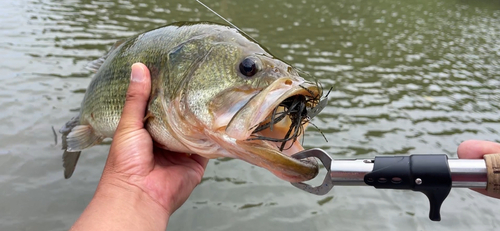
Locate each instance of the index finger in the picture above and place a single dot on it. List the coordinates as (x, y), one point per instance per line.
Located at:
(476, 149)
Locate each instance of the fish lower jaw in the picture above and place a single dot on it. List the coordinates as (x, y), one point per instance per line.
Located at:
(267, 154)
(290, 148)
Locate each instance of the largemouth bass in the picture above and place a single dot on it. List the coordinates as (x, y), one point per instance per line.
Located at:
(215, 92)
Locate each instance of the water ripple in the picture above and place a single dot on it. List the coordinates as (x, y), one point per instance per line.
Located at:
(406, 77)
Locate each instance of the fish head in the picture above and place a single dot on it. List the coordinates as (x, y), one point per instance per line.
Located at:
(251, 105)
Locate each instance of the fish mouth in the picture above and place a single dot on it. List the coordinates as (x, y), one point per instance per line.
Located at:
(269, 128)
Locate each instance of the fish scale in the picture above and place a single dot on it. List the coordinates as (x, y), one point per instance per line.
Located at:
(200, 100)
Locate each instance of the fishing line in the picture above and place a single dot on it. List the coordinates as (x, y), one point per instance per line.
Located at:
(225, 20)
(297, 110)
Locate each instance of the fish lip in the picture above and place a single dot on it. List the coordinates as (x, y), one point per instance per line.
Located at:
(309, 165)
(265, 154)
(246, 120)
(306, 89)
(307, 168)
(268, 155)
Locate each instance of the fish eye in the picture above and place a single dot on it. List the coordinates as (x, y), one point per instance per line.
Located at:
(248, 67)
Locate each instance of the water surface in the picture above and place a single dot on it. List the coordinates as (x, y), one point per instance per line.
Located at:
(406, 77)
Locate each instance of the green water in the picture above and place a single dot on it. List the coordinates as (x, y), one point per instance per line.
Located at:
(407, 77)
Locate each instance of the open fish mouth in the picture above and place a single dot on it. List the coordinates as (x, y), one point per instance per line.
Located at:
(291, 116)
(274, 128)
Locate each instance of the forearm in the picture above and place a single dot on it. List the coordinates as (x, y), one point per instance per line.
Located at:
(119, 207)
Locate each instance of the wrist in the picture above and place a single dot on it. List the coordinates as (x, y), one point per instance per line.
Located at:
(130, 196)
(118, 205)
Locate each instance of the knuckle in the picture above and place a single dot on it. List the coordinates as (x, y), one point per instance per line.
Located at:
(131, 96)
(135, 95)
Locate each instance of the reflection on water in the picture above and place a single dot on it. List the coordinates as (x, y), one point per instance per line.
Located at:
(407, 77)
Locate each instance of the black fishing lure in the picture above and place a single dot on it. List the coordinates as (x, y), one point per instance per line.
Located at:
(300, 110)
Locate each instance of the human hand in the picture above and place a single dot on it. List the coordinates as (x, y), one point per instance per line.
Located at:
(141, 185)
(167, 177)
(476, 149)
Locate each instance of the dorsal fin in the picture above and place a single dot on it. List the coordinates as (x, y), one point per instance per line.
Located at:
(96, 64)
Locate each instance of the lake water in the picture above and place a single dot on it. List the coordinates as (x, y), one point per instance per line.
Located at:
(407, 77)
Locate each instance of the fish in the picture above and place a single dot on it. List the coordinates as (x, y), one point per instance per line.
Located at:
(215, 92)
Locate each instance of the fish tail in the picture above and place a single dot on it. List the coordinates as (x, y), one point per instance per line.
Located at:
(75, 138)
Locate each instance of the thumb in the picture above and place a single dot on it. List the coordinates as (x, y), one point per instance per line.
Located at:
(136, 99)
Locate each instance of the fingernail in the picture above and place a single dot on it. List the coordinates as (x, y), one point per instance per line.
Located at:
(137, 73)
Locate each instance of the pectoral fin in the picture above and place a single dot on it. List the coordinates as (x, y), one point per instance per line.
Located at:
(81, 137)
(149, 115)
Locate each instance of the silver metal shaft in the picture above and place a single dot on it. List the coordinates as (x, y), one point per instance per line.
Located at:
(468, 173)
(350, 172)
(465, 173)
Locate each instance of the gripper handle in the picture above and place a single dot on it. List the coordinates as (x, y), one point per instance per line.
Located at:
(493, 175)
